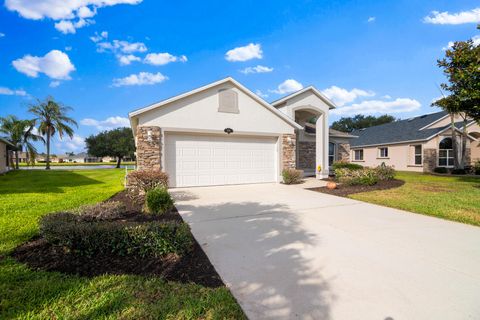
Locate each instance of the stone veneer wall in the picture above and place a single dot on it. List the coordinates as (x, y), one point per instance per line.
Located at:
(289, 151)
(149, 149)
(306, 155)
(429, 159)
(343, 152)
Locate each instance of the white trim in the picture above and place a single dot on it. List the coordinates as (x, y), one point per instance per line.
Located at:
(214, 84)
(314, 90)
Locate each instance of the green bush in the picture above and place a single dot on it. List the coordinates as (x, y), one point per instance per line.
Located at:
(459, 171)
(89, 238)
(292, 176)
(346, 165)
(384, 172)
(354, 177)
(158, 201)
(440, 170)
(476, 167)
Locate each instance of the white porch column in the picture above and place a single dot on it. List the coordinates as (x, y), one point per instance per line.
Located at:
(321, 152)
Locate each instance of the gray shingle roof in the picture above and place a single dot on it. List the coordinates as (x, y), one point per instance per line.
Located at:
(398, 131)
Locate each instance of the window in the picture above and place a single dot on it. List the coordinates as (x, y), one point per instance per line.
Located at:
(331, 153)
(383, 152)
(445, 153)
(358, 155)
(418, 154)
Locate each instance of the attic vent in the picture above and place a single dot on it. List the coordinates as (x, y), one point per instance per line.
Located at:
(228, 101)
(424, 116)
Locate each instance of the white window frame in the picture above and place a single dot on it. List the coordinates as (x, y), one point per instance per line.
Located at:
(449, 155)
(380, 153)
(334, 153)
(415, 154)
(360, 151)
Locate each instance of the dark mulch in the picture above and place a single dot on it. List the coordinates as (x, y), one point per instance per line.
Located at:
(344, 191)
(193, 267)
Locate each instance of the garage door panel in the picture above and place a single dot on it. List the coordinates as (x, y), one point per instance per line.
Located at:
(202, 160)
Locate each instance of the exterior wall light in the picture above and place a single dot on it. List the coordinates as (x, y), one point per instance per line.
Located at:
(228, 130)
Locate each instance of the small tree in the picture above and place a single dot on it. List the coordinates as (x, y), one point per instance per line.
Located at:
(359, 121)
(461, 66)
(117, 143)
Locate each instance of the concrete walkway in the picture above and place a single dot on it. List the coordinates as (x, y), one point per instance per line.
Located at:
(290, 253)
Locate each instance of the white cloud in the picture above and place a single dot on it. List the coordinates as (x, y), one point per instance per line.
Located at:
(99, 37)
(2, 35)
(121, 46)
(127, 59)
(64, 10)
(436, 17)
(76, 144)
(68, 26)
(261, 94)
(257, 69)
(160, 59)
(371, 19)
(55, 64)
(107, 124)
(449, 45)
(398, 105)
(248, 52)
(341, 96)
(142, 78)
(476, 40)
(10, 92)
(287, 86)
(54, 84)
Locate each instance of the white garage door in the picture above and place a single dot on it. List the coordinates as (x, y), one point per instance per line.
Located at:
(205, 160)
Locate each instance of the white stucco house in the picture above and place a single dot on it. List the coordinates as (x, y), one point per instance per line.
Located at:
(223, 133)
(5, 146)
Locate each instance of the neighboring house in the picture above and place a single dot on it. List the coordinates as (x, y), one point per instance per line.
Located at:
(22, 157)
(223, 133)
(5, 147)
(82, 157)
(416, 144)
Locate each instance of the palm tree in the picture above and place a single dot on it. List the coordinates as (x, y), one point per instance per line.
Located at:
(52, 118)
(21, 134)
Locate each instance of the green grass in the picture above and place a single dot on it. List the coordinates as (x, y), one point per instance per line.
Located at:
(27, 294)
(73, 164)
(452, 198)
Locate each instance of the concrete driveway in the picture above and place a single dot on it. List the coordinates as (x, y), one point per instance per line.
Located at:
(286, 252)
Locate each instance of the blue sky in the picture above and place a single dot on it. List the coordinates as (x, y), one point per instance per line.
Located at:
(370, 57)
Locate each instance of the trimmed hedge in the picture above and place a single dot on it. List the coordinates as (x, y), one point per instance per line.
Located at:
(88, 238)
(364, 176)
(346, 165)
(109, 210)
(158, 201)
(440, 170)
(476, 167)
(292, 176)
(140, 182)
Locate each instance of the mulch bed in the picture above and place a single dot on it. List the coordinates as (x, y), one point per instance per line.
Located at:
(193, 267)
(344, 191)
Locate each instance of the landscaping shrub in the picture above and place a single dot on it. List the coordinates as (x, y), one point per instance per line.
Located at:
(366, 176)
(346, 165)
(384, 172)
(109, 210)
(158, 201)
(440, 170)
(459, 171)
(476, 167)
(292, 176)
(112, 237)
(140, 182)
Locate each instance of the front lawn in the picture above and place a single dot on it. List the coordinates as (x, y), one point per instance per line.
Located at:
(452, 198)
(29, 294)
